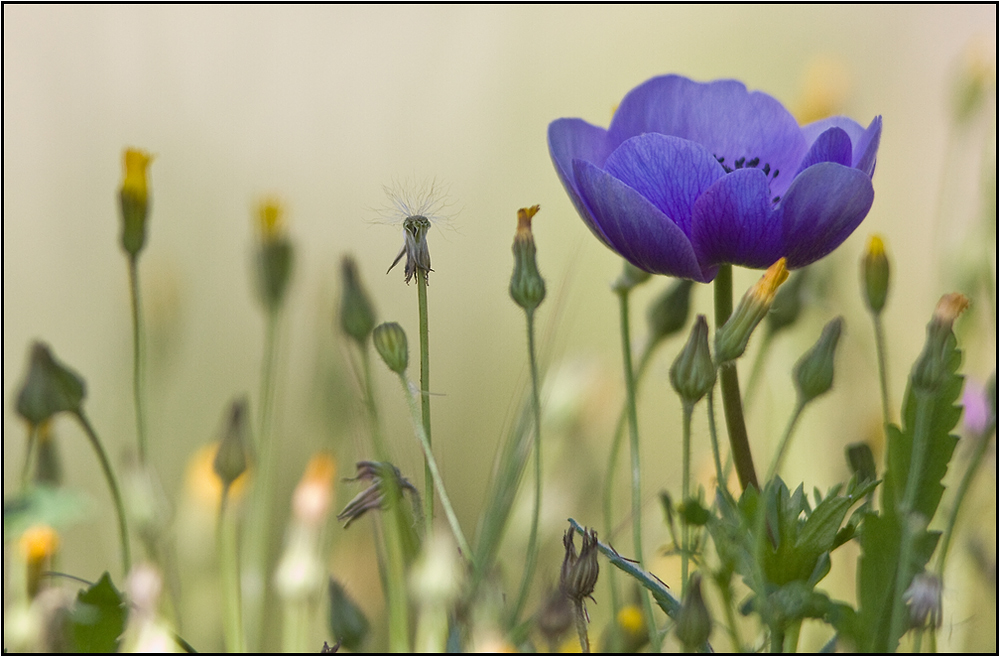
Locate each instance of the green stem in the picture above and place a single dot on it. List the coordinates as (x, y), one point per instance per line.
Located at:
(109, 476)
(685, 496)
(29, 450)
(394, 575)
(229, 566)
(777, 639)
(921, 438)
(633, 425)
(140, 416)
(722, 481)
(883, 375)
(258, 521)
(609, 478)
(791, 644)
(779, 455)
(963, 488)
(727, 599)
(730, 383)
(758, 367)
(295, 633)
(425, 443)
(425, 399)
(531, 557)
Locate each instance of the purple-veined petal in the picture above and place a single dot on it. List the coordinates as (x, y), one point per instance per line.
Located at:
(669, 171)
(635, 228)
(571, 139)
(864, 141)
(734, 222)
(833, 145)
(822, 208)
(731, 122)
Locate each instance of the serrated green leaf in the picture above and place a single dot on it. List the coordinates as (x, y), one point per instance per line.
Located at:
(97, 618)
(882, 535)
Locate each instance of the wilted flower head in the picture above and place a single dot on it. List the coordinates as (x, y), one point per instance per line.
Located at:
(579, 571)
(693, 175)
(416, 208)
(924, 598)
(372, 497)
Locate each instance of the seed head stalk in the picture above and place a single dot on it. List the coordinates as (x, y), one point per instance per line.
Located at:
(425, 399)
(137, 359)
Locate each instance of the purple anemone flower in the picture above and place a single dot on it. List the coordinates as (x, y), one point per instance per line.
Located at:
(692, 175)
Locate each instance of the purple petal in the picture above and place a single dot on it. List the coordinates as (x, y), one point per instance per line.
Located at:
(571, 139)
(734, 222)
(864, 141)
(635, 228)
(822, 208)
(833, 145)
(723, 116)
(671, 172)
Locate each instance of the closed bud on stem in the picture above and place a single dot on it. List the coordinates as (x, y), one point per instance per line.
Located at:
(134, 199)
(630, 277)
(814, 371)
(357, 315)
(275, 255)
(731, 340)
(49, 387)
(527, 287)
(693, 373)
(788, 302)
(931, 367)
(390, 343)
(875, 274)
(669, 312)
(694, 624)
(232, 458)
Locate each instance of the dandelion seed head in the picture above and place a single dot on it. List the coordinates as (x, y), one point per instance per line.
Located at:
(407, 198)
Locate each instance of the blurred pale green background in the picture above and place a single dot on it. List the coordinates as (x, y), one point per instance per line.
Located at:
(323, 106)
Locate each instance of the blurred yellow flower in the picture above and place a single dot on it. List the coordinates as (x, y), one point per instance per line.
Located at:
(39, 542)
(270, 219)
(204, 485)
(314, 494)
(826, 85)
(134, 183)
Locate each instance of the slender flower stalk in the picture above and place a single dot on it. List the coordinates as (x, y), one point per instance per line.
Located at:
(647, 605)
(137, 358)
(975, 461)
(527, 289)
(786, 438)
(109, 476)
(425, 396)
(29, 450)
(229, 565)
(875, 273)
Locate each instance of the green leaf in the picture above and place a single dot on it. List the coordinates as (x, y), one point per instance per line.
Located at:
(97, 618)
(882, 535)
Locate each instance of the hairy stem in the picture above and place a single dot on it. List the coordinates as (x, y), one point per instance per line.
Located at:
(730, 383)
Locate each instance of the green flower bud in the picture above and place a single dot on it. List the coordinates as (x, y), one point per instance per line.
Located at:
(357, 316)
(347, 620)
(787, 304)
(875, 274)
(275, 255)
(630, 277)
(232, 459)
(527, 287)
(579, 572)
(693, 373)
(49, 387)
(731, 340)
(932, 366)
(861, 461)
(134, 199)
(694, 623)
(669, 312)
(814, 371)
(390, 343)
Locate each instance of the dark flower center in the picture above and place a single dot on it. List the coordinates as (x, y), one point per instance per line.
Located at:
(743, 163)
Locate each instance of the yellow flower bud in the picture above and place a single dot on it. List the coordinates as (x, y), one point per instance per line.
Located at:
(134, 199)
(731, 340)
(270, 219)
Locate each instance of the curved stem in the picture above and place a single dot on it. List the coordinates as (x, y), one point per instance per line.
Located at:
(633, 425)
(449, 512)
(779, 455)
(140, 417)
(109, 476)
(425, 399)
(730, 384)
(883, 375)
(531, 557)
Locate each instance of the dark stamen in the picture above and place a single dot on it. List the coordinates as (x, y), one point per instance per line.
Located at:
(775, 177)
(767, 169)
(739, 162)
(775, 199)
(753, 163)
